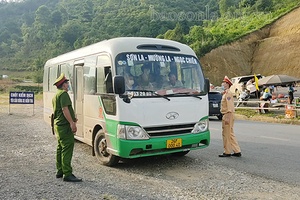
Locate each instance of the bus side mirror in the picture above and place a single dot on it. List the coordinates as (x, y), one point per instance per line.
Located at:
(206, 86)
(119, 84)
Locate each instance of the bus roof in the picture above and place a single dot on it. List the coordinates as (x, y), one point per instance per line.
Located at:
(125, 44)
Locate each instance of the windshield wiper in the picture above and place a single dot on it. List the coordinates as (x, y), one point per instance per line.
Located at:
(186, 93)
(153, 92)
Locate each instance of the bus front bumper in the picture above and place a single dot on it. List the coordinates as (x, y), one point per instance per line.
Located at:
(160, 145)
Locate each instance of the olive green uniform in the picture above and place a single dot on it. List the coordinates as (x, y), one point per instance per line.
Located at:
(63, 131)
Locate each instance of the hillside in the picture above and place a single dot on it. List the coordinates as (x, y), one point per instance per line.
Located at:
(32, 31)
(272, 50)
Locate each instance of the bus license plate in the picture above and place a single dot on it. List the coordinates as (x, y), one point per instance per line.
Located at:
(174, 143)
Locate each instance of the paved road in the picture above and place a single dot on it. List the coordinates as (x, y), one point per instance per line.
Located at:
(268, 150)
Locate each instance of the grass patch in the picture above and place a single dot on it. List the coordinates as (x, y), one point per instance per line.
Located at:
(8, 85)
(246, 112)
(17, 74)
(29, 88)
(38, 96)
(273, 116)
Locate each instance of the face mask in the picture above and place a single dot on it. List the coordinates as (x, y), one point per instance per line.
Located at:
(130, 82)
(222, 87)
(69, 87)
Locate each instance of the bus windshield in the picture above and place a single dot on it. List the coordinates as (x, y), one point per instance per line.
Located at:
(163, 73)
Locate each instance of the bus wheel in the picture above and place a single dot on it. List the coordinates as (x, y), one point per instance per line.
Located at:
(182, 153)
(102, 154)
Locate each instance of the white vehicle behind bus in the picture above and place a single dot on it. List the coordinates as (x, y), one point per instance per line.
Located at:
(239, 83)
(130, 123)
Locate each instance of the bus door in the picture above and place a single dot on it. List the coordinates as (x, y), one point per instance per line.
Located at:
(78, 97)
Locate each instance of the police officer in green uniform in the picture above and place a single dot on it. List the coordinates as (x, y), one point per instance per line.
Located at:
(64, 127)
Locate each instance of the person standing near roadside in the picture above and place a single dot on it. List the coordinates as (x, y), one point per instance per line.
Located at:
(231, 146)
(291, 91)
(65, 128)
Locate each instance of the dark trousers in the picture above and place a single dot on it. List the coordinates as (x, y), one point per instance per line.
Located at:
(291, 97)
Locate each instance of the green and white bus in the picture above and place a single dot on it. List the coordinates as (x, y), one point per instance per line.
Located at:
(118, 122)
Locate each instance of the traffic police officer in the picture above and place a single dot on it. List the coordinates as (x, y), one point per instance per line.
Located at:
(64, 127)
(231, 146)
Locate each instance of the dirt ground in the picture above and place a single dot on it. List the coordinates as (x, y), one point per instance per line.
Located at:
(27, 170)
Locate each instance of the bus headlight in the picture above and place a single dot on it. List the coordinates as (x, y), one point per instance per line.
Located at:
(132, 133)
(200, 126)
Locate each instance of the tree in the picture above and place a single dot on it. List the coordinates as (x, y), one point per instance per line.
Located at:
(264, 5)
(196, 34)
(176, 34)
(47, 28)
(4, 49)
(42, 24)
(28, 37)
(86, 11)
(38, 76)
(224, 6)
(71, 31)
(4, 35)
(56, 18)
(247, 3)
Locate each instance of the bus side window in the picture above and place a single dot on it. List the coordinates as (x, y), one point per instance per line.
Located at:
(67, 69)
(52, 77)
(89, 85)
(104, 76)
(108, 80)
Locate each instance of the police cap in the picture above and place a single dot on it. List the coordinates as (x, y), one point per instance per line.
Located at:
(60, 80)
(227, 80)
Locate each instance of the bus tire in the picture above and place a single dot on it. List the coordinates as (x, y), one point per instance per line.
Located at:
(180, 154)
(100, 148)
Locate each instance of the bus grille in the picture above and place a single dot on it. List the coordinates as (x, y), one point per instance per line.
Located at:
(169, 130)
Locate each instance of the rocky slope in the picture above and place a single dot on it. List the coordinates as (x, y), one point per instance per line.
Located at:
(272, 50)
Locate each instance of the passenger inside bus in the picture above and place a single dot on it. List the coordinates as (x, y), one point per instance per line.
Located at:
(129, 82)
(144, 80)
(173, 82)
(108, 80)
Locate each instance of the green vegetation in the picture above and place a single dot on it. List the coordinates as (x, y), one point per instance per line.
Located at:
(247, 112)
(11, 87)
(23, 88)
(277, 116)
(238, 18)
(32, 31)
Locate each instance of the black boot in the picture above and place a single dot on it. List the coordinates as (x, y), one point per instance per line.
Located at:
(59, 174)
(72, 178)
(237, 154)
(225, 155)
